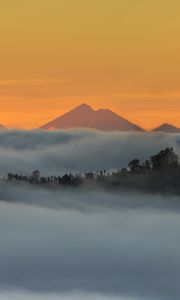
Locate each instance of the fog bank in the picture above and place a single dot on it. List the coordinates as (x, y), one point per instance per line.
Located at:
(116, 253)
(77, 150)
(93, 244)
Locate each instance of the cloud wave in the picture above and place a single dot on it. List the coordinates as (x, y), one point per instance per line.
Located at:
(85, 244)
(77, 150)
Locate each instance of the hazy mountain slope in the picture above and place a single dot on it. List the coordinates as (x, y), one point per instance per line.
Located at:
(167, 128)
(1, 127)
(84, 116)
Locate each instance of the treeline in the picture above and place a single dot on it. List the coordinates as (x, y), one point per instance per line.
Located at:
(161, 173)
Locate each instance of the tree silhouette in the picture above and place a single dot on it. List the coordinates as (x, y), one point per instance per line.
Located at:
(164, 158)
(134, 165)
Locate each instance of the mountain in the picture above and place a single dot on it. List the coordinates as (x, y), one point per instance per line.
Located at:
(167, 128)
(1, 127)
(84, 116)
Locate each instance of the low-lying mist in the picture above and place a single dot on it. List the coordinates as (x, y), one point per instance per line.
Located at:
(85, 199)
(96, 245)
(85, 243)
(57, 152)
(72, 296)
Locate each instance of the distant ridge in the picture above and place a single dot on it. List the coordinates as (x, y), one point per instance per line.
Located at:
(167, 128)
(84, 116)
(2, 127)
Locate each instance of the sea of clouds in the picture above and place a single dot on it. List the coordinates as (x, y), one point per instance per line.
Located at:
(74, 244)
(89, 251)
(56, 152)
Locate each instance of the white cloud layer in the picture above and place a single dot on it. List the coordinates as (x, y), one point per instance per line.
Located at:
(114, 252)
(82, 244)
(74, 296)
(77, 150)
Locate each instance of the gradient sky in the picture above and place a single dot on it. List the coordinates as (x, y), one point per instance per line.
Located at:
(119, 54)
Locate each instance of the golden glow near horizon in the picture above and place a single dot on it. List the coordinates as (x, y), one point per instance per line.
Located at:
(119, 54)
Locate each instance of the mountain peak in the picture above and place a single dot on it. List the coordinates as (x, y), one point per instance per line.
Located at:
(83, 107)
(167, 125)
(84, 116)
(167, 128)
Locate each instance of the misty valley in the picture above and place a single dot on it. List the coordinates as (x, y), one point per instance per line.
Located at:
(89, 150)
(73, 234)
(159, 174)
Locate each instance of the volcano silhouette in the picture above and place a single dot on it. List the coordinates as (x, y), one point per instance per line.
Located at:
(167, 128)
(84, 116)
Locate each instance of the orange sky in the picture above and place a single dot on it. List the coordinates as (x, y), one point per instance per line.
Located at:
(119, 54)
